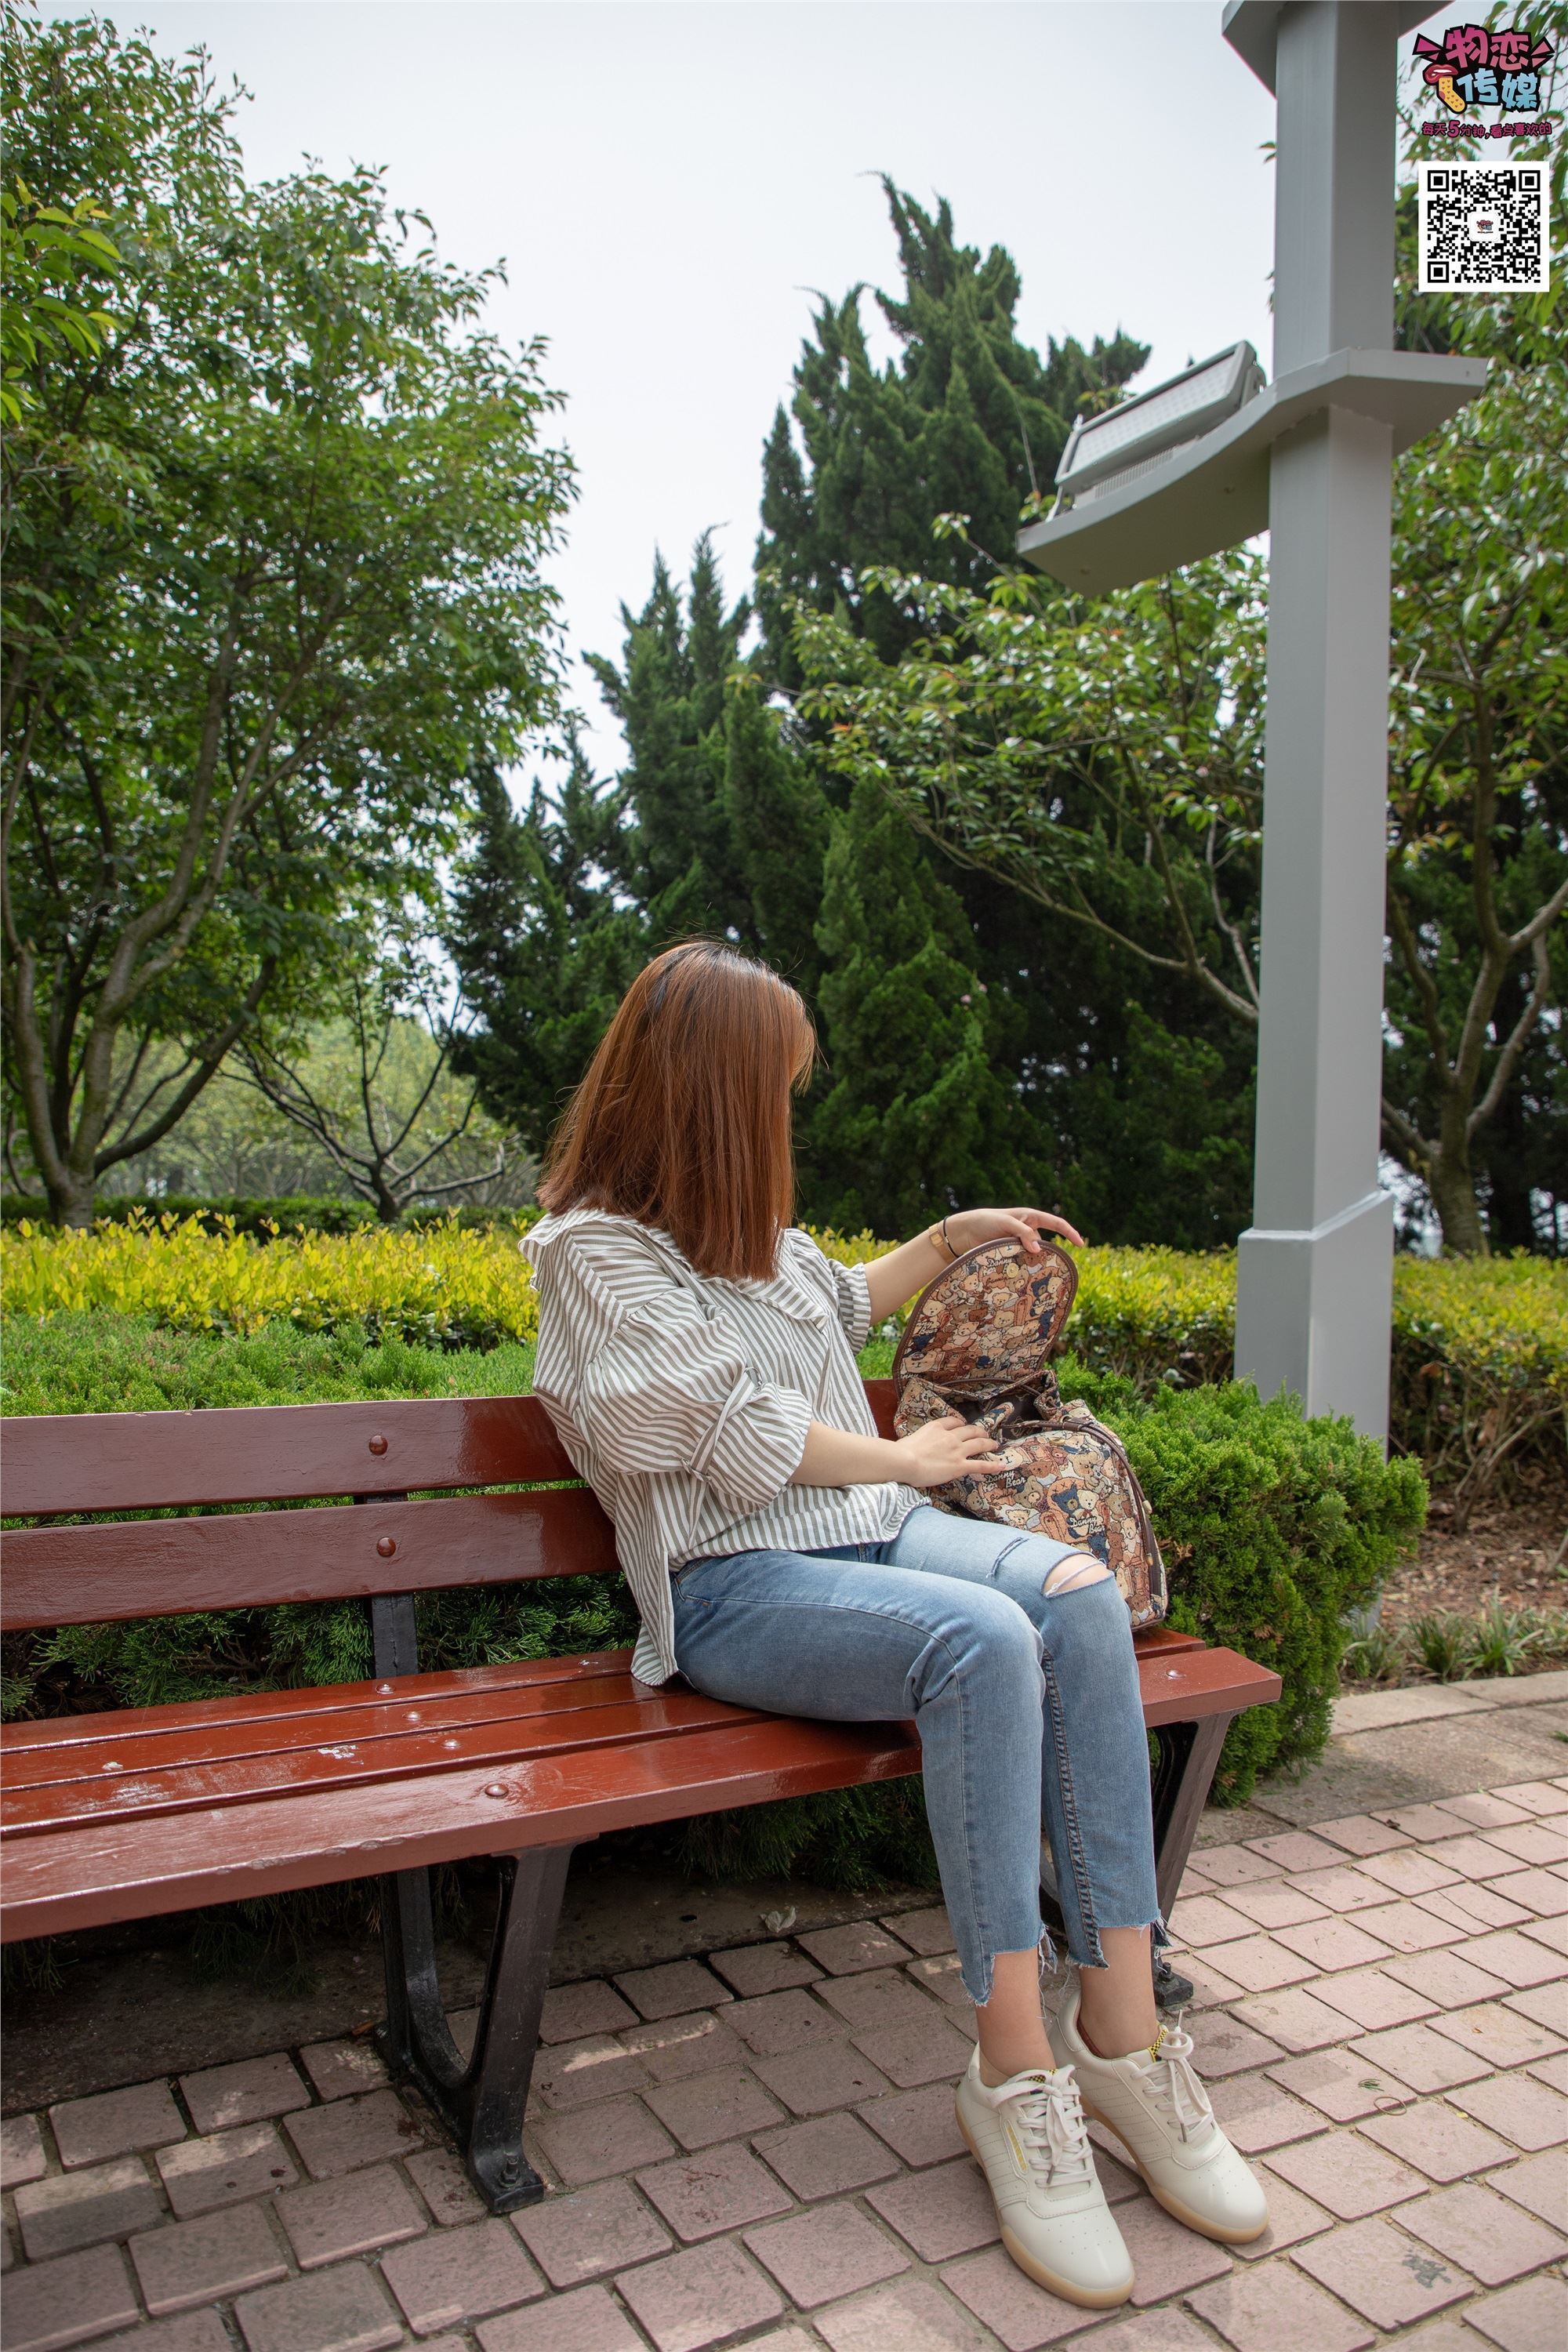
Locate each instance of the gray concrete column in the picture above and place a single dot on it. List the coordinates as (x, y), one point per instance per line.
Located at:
(1315, 1270)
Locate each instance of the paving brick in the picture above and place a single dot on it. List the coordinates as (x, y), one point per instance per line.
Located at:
(1545, 2005)
(1536, 1796)
(1529, 2113)
(1522, 1958)
(1296, 1850)
(1494, 2239)
(919, 2126)
(830, 2074)
(707, 2108)
(450, 2276)
(1408, 1872)
(927, 1932)
(1232, 1866)
(699, 2296)
(1530, 2318)
(778, 2021)
(1421, 1824)
(755, 1968)
(1260, 2309)
(1258, 1963)
(1344, 1889)
(1552, 2071)
(193, 2331)
(1541, 1890)
(1483, 1809)
(1382, 2274)
(347, 2132)
(879, 1997)
(1361, 1833)
(585, 2321)
(1207, 1920)
(1375, 2000)
(440, 2178)
(1531, 1841)
(670, 2048)
(782, 2340)
(1167, 2259)
(1552, 1933)
(591, 2232)
(1347, 2174)
(1420, 2058)
(67, 2301)
(1169, 2330)
(115, 2123)
(910, 2315)
(942, 2212)
(673, 1989)
(1296, 2019)
(1436, 2139)
(723, 2188)
(1024, 2317)
(1293, 2219)
(819, 2256)
(571, 2010)
(71, 2210)
(832, 2156)
(1221, 2047)
(941, 1974)
(1495, 2031)
(191, 2262)
(328, 2220)
(570, 2073)
(1333, 1942)
(341, 2310)
(1471, 1854)
(1448, 1978)
(1410, 1926)
(844, 1951)
(220, 2097)
(1540, 2184)
(1342, 2083)
(1257, 2114)
(1210, 1989)
(1275, 1903)
(340, 2068)
(614, 2135)
(1475, 1907)
(925, 2049)
(22, 2155)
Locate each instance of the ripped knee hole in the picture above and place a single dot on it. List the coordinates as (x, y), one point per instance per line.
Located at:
(1079, 1568)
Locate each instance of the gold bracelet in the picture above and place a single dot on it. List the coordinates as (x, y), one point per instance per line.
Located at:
(939, 1233)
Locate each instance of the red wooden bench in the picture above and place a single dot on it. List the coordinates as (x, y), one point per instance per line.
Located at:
(118, 1816)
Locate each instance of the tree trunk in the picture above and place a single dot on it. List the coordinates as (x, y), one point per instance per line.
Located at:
(1451, 1184)
(71, 1201)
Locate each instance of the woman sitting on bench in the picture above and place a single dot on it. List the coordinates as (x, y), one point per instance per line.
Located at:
(697, 1353)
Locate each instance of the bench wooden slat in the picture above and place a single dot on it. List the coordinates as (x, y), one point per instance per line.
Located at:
(274, 1452)
(180, 1784)
(169, 1568)
(67, 1879)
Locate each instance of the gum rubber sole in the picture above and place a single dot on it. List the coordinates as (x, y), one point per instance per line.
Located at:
(1174, 2205)
(1030, 2265)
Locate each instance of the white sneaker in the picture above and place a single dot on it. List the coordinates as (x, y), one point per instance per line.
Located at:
(1159, 2110)
(1029, 2139)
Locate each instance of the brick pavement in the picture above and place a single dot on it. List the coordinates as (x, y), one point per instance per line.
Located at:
(758, 2150)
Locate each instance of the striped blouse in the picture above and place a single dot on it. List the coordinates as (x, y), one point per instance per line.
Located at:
(684, 1401)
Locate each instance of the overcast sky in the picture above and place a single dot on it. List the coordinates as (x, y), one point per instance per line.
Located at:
(667, 183)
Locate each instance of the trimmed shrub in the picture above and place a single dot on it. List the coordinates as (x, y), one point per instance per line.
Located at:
(263, 1218)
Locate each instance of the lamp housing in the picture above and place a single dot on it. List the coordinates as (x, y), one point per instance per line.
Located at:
(1106, 452)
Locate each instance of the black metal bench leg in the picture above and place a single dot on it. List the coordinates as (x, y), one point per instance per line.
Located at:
(482, 2102)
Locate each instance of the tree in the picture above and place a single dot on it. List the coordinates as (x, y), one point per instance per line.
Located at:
(544, 945)
(908, 1125)
(272, 592)
(968, 420)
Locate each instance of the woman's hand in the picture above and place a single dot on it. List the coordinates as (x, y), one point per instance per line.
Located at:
(967, 1228)
(949, 1448)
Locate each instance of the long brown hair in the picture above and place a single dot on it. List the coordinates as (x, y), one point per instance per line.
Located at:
(682, 1119)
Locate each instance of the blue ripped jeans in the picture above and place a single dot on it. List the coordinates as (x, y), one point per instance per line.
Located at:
(1027, 1704)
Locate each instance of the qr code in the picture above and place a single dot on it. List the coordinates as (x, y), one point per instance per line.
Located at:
(1483, 229)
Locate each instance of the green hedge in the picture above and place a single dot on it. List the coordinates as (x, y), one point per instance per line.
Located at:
(1274, 1528)
(263, 1215)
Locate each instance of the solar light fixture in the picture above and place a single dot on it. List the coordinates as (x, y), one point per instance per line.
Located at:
(1106, 452)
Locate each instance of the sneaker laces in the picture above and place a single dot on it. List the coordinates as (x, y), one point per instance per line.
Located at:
(1047, 2116)
(1170, 2075)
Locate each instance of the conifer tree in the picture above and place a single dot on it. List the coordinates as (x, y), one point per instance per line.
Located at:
(542, 945)
(915, 1119)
